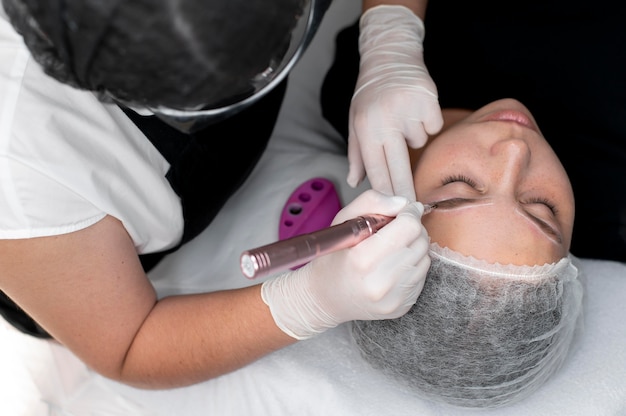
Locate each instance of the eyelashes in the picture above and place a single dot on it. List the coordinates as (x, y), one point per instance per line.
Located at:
(460, 178)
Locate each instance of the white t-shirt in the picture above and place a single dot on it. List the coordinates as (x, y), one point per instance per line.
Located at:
(67, 160)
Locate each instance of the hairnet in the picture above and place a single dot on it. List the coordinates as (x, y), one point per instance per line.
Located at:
(178, 54)
(480, 334)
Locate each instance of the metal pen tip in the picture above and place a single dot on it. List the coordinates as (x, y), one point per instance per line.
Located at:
(428, 208)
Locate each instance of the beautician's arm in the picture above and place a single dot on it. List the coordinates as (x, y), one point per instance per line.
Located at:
(89, 291)
(417, 6)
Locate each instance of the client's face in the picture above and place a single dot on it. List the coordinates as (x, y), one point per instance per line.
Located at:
(501, 191)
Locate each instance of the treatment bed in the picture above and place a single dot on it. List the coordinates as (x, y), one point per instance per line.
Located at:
(324, 375)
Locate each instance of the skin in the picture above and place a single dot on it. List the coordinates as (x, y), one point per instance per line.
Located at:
(497, 161)
(89, 291)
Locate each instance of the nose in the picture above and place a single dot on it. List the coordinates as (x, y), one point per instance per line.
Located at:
(511, 157)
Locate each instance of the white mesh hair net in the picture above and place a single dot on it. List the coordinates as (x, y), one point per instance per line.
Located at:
(480, 335)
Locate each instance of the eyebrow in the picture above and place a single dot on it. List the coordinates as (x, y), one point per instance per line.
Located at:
(544, 226)
(461, 202)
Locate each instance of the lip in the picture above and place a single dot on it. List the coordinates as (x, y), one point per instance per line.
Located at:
(512, 116)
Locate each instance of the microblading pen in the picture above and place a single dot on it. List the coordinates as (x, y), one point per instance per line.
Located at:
(298, 250)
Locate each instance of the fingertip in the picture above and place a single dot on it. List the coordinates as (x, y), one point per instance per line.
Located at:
(356, 170)
(433, 130)
(418, 138)
(434, 124)
(419, 206)
(415, 209)
(353, 180)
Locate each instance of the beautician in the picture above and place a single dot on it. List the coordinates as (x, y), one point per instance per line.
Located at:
(124, 129)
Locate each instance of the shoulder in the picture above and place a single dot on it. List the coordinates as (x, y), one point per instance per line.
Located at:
(67, 159)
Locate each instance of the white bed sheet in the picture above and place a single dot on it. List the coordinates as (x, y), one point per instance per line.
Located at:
(324, 375)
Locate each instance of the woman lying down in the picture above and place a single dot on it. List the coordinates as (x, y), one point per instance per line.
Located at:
(502, 298)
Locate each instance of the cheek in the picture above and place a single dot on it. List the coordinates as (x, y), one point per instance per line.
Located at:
(445, 229)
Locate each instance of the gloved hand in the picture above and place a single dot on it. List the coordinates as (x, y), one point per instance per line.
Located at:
(395, 102)
(380, 278)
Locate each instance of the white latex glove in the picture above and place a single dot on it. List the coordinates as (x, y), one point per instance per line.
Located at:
(380, 278)
(395, 102)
